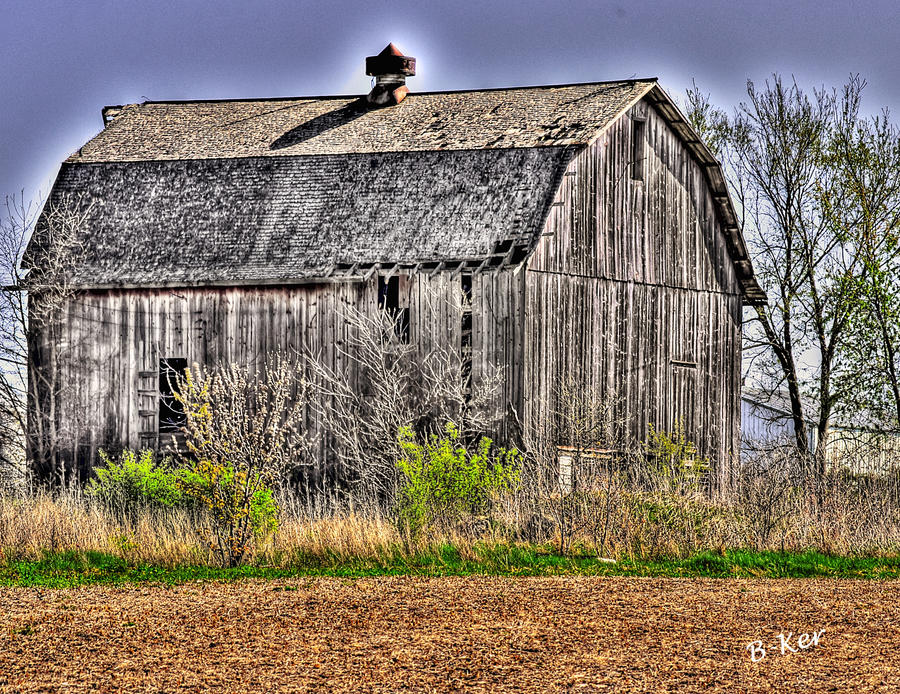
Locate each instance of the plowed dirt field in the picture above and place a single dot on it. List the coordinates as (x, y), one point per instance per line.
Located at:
(463, 634)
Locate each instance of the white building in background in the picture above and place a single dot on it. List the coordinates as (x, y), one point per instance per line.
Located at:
(766, 422)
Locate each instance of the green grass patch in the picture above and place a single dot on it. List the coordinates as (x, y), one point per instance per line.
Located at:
(66, 569)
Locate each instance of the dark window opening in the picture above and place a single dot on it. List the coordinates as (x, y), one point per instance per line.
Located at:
(466, 332)
(171, 412)
(503, 246)
(465, 281)
(389, 301)
(518, 255)
(637, 149)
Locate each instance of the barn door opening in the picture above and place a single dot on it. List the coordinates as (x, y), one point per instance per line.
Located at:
(171, 412)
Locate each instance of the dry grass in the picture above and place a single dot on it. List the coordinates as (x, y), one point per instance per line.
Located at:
(607, 514)
(614, 522)
(342, 537)
(30, 526)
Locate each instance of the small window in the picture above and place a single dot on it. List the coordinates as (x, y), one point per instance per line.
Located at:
(465, 283)
(171, 412)
(389, 300)
(637, 149)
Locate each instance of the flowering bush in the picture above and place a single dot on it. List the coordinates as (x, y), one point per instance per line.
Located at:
(243, 430)
(242, 508)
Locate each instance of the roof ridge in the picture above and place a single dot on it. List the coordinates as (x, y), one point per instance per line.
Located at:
(411, 93)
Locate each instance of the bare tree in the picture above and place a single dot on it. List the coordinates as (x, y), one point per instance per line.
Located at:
(390, 384)
(780, 135)
(35, 291)
(793, 165)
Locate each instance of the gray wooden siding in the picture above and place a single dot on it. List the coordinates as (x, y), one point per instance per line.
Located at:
(631, 290)
(659, 231)
(116, 339)
(498, 340)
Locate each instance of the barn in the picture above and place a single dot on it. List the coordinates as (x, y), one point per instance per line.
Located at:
(766, 421)
(588, 223)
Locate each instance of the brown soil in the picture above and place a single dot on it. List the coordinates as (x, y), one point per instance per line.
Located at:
(471, 634)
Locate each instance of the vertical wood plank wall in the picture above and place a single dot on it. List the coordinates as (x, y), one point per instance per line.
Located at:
(631, 291)
(116, 338)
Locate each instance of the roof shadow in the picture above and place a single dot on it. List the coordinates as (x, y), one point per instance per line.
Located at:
(321, 124)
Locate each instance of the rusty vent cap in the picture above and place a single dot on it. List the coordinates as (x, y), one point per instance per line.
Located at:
(390, 61)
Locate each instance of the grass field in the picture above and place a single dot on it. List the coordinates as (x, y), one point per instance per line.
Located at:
(73, 568)
(476, 633)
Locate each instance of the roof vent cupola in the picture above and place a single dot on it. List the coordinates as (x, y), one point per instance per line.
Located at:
(390, 68)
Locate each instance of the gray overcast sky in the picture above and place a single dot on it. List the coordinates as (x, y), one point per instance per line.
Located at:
(61, 61)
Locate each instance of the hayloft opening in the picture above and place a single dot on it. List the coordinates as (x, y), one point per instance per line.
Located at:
(171, 412)
(392, 300)
(637, 149)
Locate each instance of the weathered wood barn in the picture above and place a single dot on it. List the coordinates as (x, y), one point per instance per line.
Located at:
(590, 224)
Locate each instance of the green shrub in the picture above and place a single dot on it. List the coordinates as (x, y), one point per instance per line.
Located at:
(674, 460)
(441, 482)
(135, 478)
(242, 507)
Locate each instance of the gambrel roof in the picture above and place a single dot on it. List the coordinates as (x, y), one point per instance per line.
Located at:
(274, 191)
(274, 220)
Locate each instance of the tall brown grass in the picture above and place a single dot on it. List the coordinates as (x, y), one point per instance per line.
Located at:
(839, 513)
(31, 526)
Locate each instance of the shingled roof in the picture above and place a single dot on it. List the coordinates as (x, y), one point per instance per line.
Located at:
(483, 119)
(273, 191)
(259, 220)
